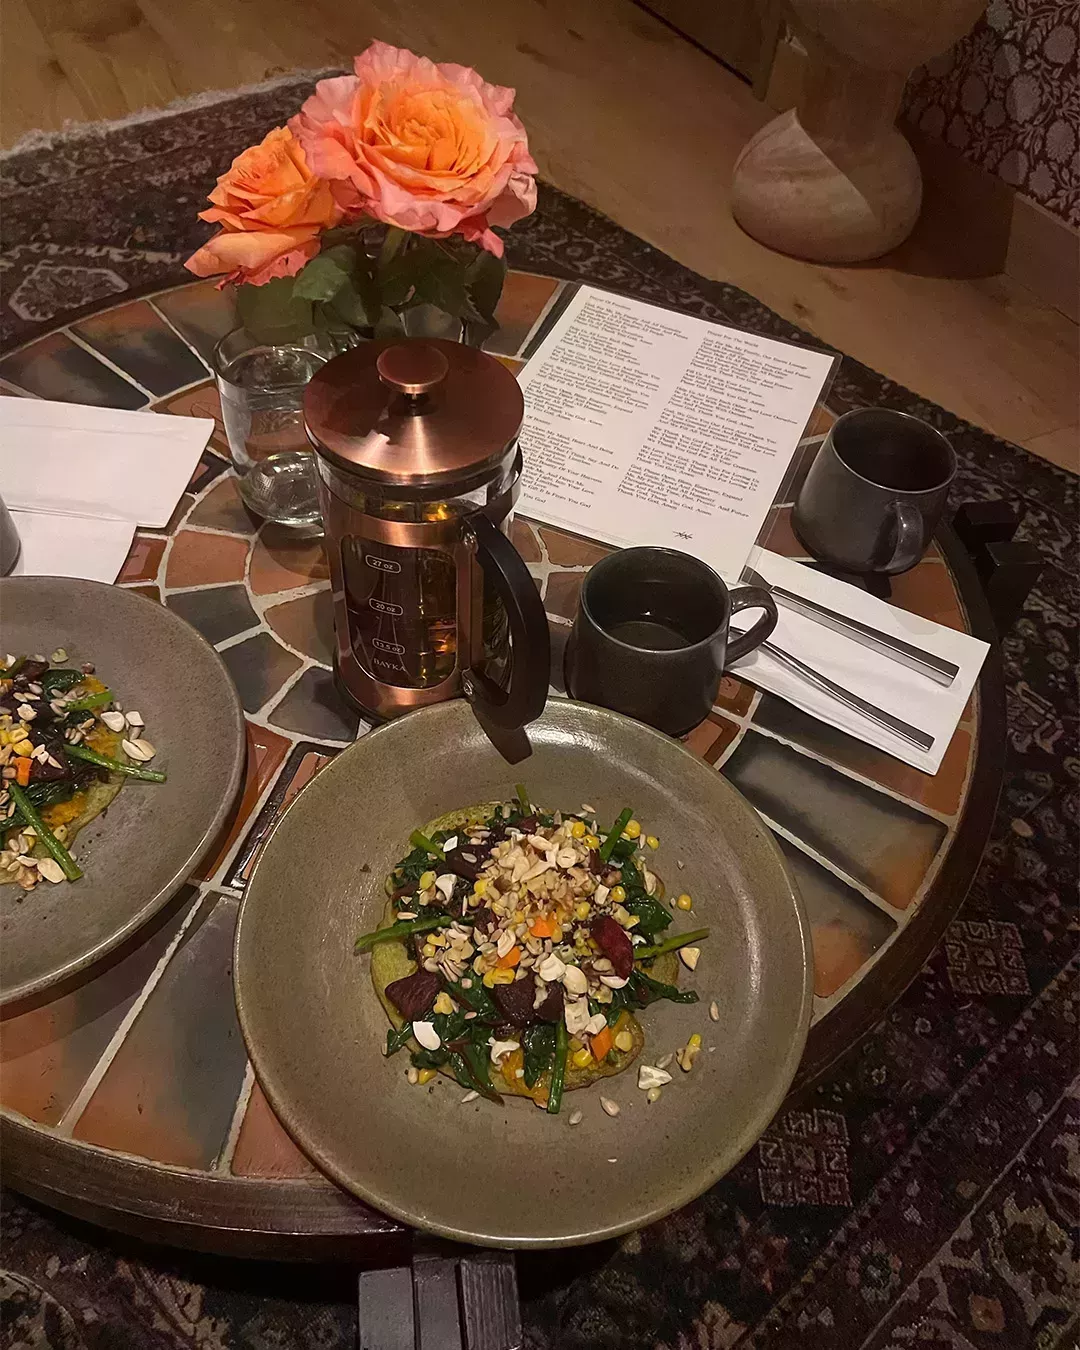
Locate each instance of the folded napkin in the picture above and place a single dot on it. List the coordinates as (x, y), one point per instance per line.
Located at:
(898, 690)
(78, 480)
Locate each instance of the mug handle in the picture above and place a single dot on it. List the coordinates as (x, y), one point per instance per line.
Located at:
(523, 699)
(751, 597)
(911, 538)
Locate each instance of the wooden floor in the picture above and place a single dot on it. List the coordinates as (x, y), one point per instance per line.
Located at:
(622, 113)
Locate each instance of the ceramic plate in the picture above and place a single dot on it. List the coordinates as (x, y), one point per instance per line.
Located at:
(514, 1176)
(139, 853)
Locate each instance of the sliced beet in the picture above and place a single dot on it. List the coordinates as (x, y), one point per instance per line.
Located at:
(596, 865)
(614, 941)
(466, 861)
(551, 1010)
(414, 995)
(527, 824)
(483, 920)
(32, 670)
(515, 1001)
(43, 771)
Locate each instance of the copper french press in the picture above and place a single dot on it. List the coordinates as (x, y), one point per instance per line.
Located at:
(419, 469)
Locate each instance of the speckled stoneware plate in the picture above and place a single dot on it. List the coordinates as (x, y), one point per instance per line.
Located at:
(138, 854)
(514, 1176)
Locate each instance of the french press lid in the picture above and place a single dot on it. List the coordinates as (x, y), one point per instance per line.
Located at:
(417, 412)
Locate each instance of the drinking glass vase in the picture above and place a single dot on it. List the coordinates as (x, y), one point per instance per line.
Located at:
(262, 402)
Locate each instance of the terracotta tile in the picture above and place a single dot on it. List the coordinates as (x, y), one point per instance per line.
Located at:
(209, 467)
(201, 312)
(259, 665)
(838, 954)
(314, 707)
(281, 562)
(263, 1149)
(203, 559)
(525, 541)
(940, 792)
(821, 419)
(568, 550)
(170, 1093)
(222, 509)
(711, 738)
(928, 590)
(143, 559)
(200, 402)
(218, 613)
(734, 696)
(138, 341)
(777, 535)
(563, 590)
(151, 592)
(47, 1053)
(266, 751)
(306, 624)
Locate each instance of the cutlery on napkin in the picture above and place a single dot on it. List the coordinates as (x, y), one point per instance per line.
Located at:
(876, 677)
(78, 480)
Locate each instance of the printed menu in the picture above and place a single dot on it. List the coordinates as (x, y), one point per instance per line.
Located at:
(643, 426)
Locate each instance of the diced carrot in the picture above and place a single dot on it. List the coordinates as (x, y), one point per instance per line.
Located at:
(23, 766)
(543, 927)
(512, 957)
(601, 1044)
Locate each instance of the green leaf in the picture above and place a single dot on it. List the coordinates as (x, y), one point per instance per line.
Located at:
(442, 284)
(389, 325)
(272, 313)
(392, 245)
(357, 302)
(324, 276)
(484, 279)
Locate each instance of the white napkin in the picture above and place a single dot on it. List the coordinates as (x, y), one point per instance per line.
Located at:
(903, 692)
(76, 460)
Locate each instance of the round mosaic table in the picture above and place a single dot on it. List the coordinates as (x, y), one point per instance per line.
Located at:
(127, 1098)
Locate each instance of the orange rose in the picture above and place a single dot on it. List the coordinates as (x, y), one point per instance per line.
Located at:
(272, 209)
(428, 148)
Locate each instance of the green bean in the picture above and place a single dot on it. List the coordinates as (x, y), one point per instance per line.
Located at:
(113, 765)
(90, 701)
(671, 944)
(402, 929)
(616, 834)
(420, 840)
(558, 1067)
(72, 870)
(523, 798)
(13, 669)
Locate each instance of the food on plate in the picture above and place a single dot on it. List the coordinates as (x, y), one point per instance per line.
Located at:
(66, 750)
(518, 946)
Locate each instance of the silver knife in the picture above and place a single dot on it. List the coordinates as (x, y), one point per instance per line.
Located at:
(913, 735)
(926, 663)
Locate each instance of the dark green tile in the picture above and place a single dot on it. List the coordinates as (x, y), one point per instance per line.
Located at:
(143, 345)
(260, 666)
(218, 613)
(313, 707)
(56, 367)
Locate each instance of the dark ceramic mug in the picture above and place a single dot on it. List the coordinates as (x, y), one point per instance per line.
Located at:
(651, 636)
(875, 492)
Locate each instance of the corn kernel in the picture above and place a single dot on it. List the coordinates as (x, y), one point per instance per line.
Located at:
(504, 976)
(519, 916)
(633, 829)
(479, 886)
(652, 841)
(582, 909)
(23, 748)
(425, 1076)
(624, 1041)
(444, 1003)
(591, 841)
(684, 901)
(618, 895)
(653, 1095)
(489, 979)
(427, 879)
(582, 1058)
(429, 949)
(578, 829)
(695, 1040)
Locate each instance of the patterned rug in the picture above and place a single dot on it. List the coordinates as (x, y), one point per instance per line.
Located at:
(949, 1139)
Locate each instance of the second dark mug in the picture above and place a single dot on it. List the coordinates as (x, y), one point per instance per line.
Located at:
(651, 636)
(875, 492)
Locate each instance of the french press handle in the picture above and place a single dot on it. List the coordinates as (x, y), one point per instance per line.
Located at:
(523, 698)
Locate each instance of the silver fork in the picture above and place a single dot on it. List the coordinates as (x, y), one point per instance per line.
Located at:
(915, 658)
